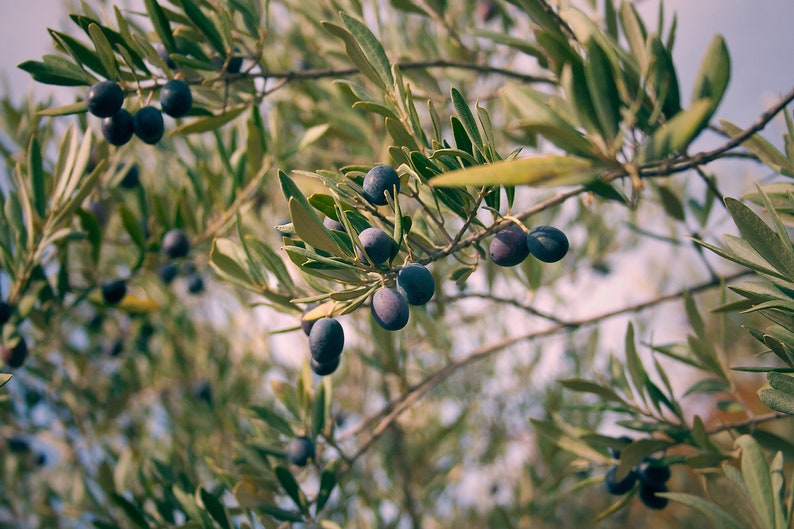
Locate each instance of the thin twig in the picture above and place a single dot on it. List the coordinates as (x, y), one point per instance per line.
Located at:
(322, 73)
(753, 421)
(496, 299)
(705, 157)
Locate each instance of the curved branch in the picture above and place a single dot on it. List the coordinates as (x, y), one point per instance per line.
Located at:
(705, 157)
(404, 65)
(394, 408)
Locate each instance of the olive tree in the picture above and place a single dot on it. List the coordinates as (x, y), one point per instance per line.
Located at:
(353, 263)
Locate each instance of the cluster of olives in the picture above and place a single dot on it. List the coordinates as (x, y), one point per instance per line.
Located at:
(389, 305)
(652, 475)
(176, 245)
(511, 246)
(106, 99)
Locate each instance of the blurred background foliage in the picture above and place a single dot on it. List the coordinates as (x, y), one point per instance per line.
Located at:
(503, 401)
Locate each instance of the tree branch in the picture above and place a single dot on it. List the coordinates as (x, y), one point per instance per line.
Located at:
(753, 421)
(322, 73)
(393, 409)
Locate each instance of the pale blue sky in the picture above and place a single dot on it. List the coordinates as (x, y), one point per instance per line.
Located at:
(758, 35)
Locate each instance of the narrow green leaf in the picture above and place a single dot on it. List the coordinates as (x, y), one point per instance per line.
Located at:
(671, 203)
(713, 511)
(215, 508)
(273, 420)
(58, 72)
(310, 229)
(204, 25)
(80, 52)
(633, 363)
(603, 90)
(631, 455)
(512, 41)
(765, 151)
(64, 110)
(327, 484)
(540, 171)
(466, 118)
(781, 382)
(663, 78)
(225, 258)
(209, 123)
(713, 75)
(372, 48)
(161, 25)
(131, 510)
(356, 54)
(675, 135)
(635, 33)
(587, 386)
(36, 176)
(103, 49)
(767, 243)
(730, 492)
(777, 400)
(292, 488)
(554, 434)
(759, 482)
(533, 113)
(400, 134)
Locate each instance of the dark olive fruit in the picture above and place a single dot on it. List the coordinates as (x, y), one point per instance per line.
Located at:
(390, 309)
(5, 312)
(118, 128)
(486, 11)
(176, 244)
(509, 247)
(625, 440)
(202, 390)
(332, 224)
(104, 99)
(235, 62)
(648, 495)
(416, 283)
(326, 340)
(162, 52)
(148, 125)
(99, 211)
(378, 181)
(377, 245)
(619, 487)
(113, 348)
(15, 355)
(114, 291)
(175, 98)
(547, 243)
(307, 325)
(167, 272)
(195, 284)
(325, 368)
(653, 473)
(131, 178)
(18, 445)
(300, 450)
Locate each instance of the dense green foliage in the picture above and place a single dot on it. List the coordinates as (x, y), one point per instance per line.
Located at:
(444, 197)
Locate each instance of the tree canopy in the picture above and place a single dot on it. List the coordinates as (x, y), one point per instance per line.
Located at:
(357, 263)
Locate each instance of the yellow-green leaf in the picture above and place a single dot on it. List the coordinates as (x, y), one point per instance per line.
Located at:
(546, 171)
